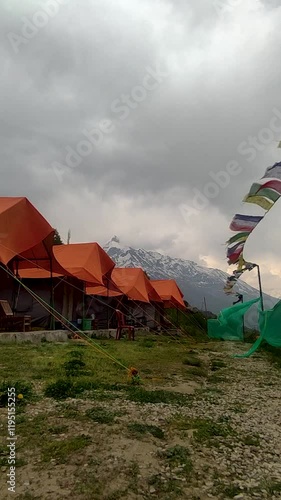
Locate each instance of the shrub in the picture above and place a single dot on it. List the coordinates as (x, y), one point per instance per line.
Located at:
(73, 367)
(62, 389)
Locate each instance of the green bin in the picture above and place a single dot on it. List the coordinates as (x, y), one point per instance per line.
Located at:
(86, 324)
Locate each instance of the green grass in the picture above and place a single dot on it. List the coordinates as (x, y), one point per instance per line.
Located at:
(230, 491)
(33, 428)
(58, 429)
(217, 379)
(170, 487)
(21, 387)
(138, 430)
(87, 485)
(20, 462)
(62, 450)
(148, 343)
(27, 496)
(49, 362)
(117, 495)
(209, 391)
(238, 408)
(73, 367)
(69, 411)
(273, 487)
(217, 364)
(250, 440)
(204, 430)
(63, 389)
(53, 369)
(197, 372)
(101, 415)
(140, 395)
(178, 456)
(192, 361)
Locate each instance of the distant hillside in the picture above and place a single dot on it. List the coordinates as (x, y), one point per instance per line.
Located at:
(196, 282)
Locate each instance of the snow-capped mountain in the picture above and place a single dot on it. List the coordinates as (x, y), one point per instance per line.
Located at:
(195, 281)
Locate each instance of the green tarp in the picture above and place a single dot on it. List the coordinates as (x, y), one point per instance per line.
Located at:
(270, 329)
(229, 325)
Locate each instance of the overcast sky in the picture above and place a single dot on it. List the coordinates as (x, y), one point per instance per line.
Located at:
(169, 92)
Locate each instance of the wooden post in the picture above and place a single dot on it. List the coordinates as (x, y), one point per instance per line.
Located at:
(260, 287)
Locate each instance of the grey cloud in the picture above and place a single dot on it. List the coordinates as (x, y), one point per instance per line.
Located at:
(222, 85)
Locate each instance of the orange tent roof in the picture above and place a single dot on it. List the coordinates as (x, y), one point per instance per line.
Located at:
(134, 283)
(127, 281)
(86, 261)
(37, 273)
(25, 235)
(169, 293)
(110, 290)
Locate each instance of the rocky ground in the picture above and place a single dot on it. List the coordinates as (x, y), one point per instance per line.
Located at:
(218, 438)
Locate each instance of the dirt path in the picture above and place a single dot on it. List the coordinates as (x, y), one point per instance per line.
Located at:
(221, 441)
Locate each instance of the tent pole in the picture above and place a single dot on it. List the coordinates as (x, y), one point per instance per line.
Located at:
(83, 307)
(52, 301)
(107, 309)
(260, 287)
(243, 320)
(14, 267)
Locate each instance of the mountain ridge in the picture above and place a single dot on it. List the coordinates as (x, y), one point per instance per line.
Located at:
(198, 283)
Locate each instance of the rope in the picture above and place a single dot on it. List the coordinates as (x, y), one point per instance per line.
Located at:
(65, 321)
(61, 279)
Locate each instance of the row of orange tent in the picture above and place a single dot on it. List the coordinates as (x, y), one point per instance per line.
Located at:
(27, 250)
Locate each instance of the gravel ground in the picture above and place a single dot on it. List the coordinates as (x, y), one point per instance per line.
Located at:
(250, 402)
(243, 397)
(229, 428)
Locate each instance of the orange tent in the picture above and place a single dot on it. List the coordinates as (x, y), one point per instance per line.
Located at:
(131, 282)
(38, 273)
(86, 261)
(110, 290)
(169, 292)
(26, 238)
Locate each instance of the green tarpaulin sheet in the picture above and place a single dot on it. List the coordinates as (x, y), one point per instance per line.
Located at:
(229, 325)
(270, 329)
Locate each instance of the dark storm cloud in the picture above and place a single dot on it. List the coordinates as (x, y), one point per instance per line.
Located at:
(166, 93)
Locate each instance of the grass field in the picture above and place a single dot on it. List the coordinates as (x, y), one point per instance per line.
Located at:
(87, 430)
(72, 397)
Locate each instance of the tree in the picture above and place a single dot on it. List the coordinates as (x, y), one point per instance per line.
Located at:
(57, 238)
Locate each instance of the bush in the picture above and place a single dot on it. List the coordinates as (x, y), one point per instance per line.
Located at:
(63, 389)
(77, 354)
(73, 367)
